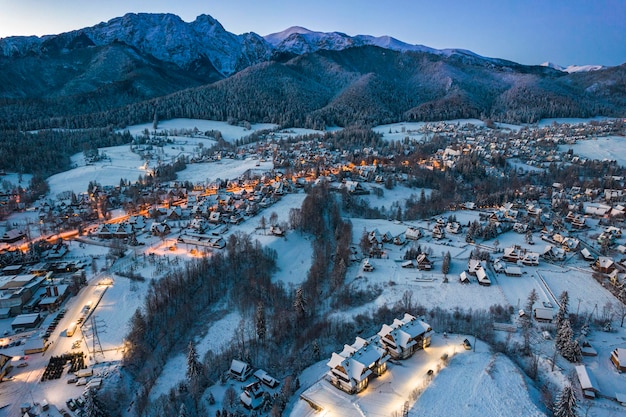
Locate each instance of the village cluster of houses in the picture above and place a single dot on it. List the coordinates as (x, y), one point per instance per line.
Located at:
(27, 290)
(351, 369)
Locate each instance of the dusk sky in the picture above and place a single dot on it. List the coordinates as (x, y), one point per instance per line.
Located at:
(526, 31)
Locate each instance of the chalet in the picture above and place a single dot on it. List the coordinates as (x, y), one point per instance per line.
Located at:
(520, 227)
(438, 232)
(351, 369)
(399, 240)
(423, 263)
(404, 337)
(453, 227)
(511, 254)
(604, 265)
(413, 233)
(545, 315)
(473, 265)
(239, 370)
(618, 358)
(252, 396)
(553, 253)
(483, 278)
(530, 259)
(587, 382)
(587, 256)
(348, 374)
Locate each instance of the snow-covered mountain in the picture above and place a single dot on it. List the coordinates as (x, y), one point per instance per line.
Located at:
(168, 38)
(573, 68)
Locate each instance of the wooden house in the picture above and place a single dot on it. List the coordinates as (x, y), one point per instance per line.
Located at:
(239, 370)
(618, 358)
(405, 336)
(483, 278)
(413, 233)
(511, 254)
(423, 263)
(604, 264)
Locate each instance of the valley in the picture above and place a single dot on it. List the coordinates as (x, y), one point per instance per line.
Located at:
(349, 230)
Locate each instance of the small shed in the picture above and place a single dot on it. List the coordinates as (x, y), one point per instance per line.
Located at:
(587, 382)
(464, 278)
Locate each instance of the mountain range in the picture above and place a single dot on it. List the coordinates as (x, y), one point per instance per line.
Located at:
(122, 71)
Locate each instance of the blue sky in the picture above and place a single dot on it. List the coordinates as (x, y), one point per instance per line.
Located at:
(526, 31)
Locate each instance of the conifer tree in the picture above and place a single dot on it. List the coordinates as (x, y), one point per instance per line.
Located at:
(567, 404)
(261, 328)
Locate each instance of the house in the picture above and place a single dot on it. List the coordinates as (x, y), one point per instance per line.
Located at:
(453, 227)
(351, 369)
(587, 382)
(513, 271)
(587, 256)
(520, 227)
(438, 232)
(511, 254)
(553, 253)
(404, 337)
(252, 396)
(26, 321)
(473, 265)
(423, 263)
(413, 233)
(399, 240)
(530, 259)
(463, 278)
(604, 265)
(483, 278)
(618, 358)
(239, 370)
(348, 374)
(545, 315)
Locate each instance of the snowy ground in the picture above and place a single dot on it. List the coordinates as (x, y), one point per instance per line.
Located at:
(609, 148)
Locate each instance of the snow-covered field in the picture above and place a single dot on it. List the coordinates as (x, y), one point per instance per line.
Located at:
(611, 148)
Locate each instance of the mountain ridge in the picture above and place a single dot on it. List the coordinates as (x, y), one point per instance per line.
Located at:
(120, 71)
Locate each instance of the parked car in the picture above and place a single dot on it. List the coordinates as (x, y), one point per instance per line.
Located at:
(71, 404)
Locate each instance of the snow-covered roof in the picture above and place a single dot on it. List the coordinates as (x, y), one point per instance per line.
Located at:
(586, 378)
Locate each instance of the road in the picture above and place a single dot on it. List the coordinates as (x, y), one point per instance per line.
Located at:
(26, 386)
